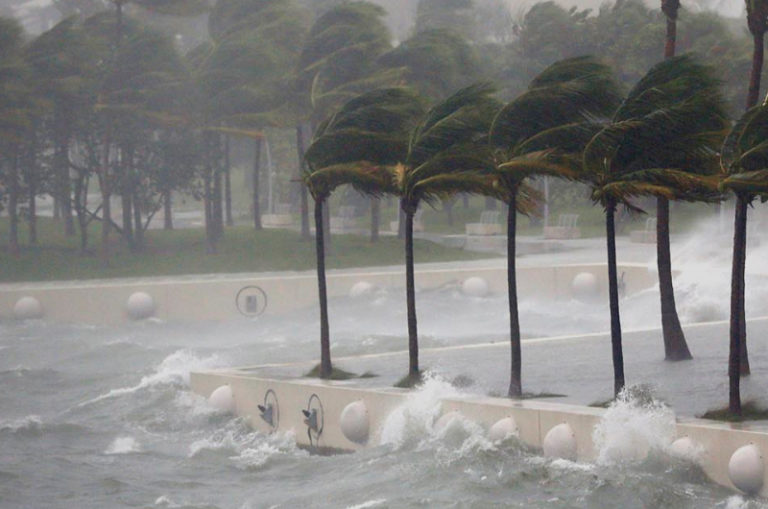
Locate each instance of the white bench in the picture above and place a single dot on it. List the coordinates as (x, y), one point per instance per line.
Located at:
(567, 228)
(282, 217)
(345, 221)
(647, 235)
(488, 225)
(418, 226)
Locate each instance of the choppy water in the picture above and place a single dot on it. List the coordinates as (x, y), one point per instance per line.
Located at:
(99, 418)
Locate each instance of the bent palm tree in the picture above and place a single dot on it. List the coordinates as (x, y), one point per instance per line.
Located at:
(525, 138)
(447, 154)
(355, 146)
(745, 163)
(660, 142)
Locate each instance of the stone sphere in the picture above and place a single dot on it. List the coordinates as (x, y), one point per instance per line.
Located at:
(584, 285)
(445, 420)
(27, 308)
(684, 448)
(560, 442)
(223, 399)
(140, 305)
(354, 422)
(746, 469)
(503, 429)
(475, 287)
(361, 289)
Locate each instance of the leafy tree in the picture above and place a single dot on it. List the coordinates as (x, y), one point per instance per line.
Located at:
(355, 146)
(526, 136)
(665, 132)
(447, 154)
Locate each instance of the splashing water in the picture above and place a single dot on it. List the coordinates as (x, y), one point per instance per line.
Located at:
(123, 445)
(634, 424)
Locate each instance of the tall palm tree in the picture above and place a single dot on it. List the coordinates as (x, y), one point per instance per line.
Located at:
(447, 154)
(664, 132)
(745, 163)
(355, 146)
(525, 136)
(675, 346)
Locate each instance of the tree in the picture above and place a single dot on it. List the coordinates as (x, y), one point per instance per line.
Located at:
(355, 146)
(447, 154)
(525, 136)
(665, 132)
(745, 162)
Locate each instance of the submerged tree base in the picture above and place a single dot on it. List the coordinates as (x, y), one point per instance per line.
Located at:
(410, 381)
(337, 374)
(528, 395)
(750, 411)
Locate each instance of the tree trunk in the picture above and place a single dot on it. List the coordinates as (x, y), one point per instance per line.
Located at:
(613, 292)
(167, 211)
(217, 203)
(127, 206)
(210, 240)
(410, 292)
(670, 8)
(675, 346)
(327, 223)
(737, 295)
(227, 184)
(106, 224)
(515, 378)
(256, 174)
(753, 94)
(401, 224)
(13, 200)
(139, 225)
(325, 337)
(32, 173)
(82, 219)
(302, 188)
(375, 218)
(63, 201)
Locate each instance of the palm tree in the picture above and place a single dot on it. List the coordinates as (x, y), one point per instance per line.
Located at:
(745, 163)
(665, 132)
(675, 346)
(355, 146)
(447, 154)
(525, 138)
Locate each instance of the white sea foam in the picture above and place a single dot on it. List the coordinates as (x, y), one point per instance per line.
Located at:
(632, 426)
(28, 424)
(173, 370)
(123, 445)
(269, 446)
(368, 503)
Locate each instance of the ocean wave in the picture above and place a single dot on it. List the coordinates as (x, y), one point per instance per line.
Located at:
(31, 424)
(123, 445)
(173, 370)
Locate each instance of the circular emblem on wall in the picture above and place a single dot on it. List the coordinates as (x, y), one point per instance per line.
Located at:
(251, 301)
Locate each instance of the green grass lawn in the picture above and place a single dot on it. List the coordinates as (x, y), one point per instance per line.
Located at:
(176, 252)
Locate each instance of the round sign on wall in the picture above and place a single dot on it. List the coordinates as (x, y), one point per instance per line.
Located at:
(251, 301)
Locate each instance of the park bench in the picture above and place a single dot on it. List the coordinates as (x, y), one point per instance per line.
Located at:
(488, 225)
(567, 228)
(282, 217)
(646, 235)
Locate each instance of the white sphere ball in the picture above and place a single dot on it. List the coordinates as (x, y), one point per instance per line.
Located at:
(560, 442)
(445, 420)
(223, 399)
(27, 308)
(140, 305)
(503, 429)
(354, 422)
(360, 289)
(475, 287)
(584, 285)
(684, 448)
(746, 469)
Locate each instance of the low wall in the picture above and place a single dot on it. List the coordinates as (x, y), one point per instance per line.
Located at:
(715, 441)
(208, 298)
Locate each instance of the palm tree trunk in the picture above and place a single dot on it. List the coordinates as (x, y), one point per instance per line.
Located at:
(13, 200)
(613, 295)
(304, 199)
(325, 337)
(737, 295)
(753, 94)
(227, 184)
(515, 379)
(375, 218)
(167, 210)
(139, 224)
(82, 220)
(675, 346)
(410, 292)
(256, 173)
